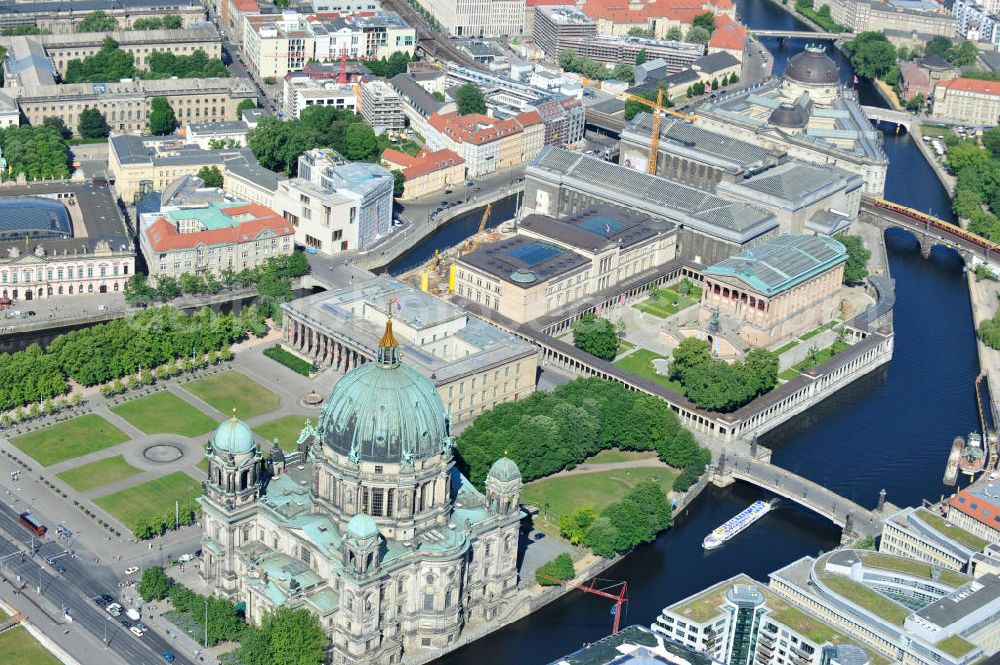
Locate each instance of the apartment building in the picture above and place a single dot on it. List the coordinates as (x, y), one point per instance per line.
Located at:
(63, 47)
(554, 24)
(62, 17)
(473, 365)
(477, 18)
(335, 205)
(925, 17)
(976, 509)
(927, 535)
(427, 172)
(381, 105)
(214, 236)
(302, 91)
(488, 144)
(967, 101)
(126, 105)
(553, 262)
(275, 44)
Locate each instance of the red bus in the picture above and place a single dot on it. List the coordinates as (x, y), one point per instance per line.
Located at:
(33, 525)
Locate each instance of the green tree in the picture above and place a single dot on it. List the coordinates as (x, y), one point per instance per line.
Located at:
(916, 103)
(167, 288)
(872, 55)
(438, 95)
(97, 21)
(603, 537)
(596, 336)
(991, 141)
(555, 571)
(856, 268)
(469, 99)
(273, 291)
(574, 526)
(641, 56)
(161, 117)
(245, 105)
(674, 34)
(697, 35)
(211, 175)
(110, 63)
(964, 54)
(705, 20)
(58, 125)
(92, 124)
(398, 183)
(24, 29)
(286, 637)
(362, 144)
(940, 46)
(155, 584)
(965, 154)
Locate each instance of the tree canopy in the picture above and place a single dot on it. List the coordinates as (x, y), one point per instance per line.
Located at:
(97, 21)
(161, 117)
(211, 175)
(92, 124)
(717, 385)
(856, 268)
(57, 124)
(596, 336)
(551, 431)
(389, 67)
(571, 62)
(469, 99)
(705, 20)
(111, 63)
(556, 570)
(872, 55)
(245, 105)
(286, 637)
(398, 183)
(636, 519)
(155, 584)
(697, 35)
(38, 152)
(167, 22)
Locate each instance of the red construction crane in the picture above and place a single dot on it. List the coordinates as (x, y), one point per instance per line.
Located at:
(342, 79)
(616, 591)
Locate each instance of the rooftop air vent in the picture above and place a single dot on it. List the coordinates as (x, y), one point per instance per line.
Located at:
(523, 276)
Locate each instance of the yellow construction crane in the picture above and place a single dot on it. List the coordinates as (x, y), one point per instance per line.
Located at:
(658, 110)
(473, 243)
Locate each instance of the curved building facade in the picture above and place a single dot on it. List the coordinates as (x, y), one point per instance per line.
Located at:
(367, 523)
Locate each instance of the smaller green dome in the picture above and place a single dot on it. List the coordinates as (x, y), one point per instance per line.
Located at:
(362, 527)
(233, 437)
(505, 470)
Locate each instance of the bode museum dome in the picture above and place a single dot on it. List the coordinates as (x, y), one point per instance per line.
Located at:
(367, 524)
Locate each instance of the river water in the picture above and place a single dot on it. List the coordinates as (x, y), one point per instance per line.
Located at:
(891, 430)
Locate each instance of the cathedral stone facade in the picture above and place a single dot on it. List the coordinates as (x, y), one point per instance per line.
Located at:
(367, 524)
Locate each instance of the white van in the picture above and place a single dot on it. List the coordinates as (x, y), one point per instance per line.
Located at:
(133, 614)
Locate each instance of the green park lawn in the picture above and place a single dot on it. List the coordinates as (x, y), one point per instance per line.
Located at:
(624, 346)
(787, 347)
(936, 131)
(164, 413)
(95, 474)
(20, 648)
(667, 302)
(286, 428)
(230, 390)
(640, 363)
(73, 438)
(601, 488)
(812, 333)
(152, 498)
(613, 456)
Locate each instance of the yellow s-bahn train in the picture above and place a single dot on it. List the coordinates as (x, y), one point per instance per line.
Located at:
(947, 227)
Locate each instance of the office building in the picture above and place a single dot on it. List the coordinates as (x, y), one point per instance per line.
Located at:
(619, 17)
(487, 144)
(212, 237)
(472, 365)
(62, 239)
(925, 17)
(560, 182)
(554, 262)
(554, 24)
(477, 18)
(222, 134)
(381, 105)
(927, 535)
(336, 205)
(62, 18)
(126, 105)
(302, 91)
(967, 101)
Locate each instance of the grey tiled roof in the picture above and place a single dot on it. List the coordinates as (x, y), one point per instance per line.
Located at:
(715, 62)
(698, 210)
(795, 180)
(676, 133)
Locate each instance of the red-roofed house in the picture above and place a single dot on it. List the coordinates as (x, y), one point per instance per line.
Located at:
(729, 36)
(426, 173)
(231, 15)
(968, 101)
(488, 144)
(209, 238)
(977, 509)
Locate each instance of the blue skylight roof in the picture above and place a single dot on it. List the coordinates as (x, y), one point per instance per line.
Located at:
(533, 253)
(601, 225)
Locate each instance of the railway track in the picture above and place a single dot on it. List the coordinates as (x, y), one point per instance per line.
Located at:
(432, 41)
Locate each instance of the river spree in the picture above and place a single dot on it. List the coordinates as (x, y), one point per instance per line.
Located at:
(891, 429)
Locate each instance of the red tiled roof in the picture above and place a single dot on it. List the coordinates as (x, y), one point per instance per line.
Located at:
(721, 4)
(972, 85)
(429, 162)
(398, 157)
(479, 129)
(163, 235)
(537, 3)
(621, 11)
(728, 34)
(246, 5)
(984, 511)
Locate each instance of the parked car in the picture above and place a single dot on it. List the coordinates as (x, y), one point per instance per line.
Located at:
(60, 569)
(141, 626)
(135, 630)
(100, 601)
(114, 609)
(131, 570)
(107, 597)
(184, 558)
(167, 656)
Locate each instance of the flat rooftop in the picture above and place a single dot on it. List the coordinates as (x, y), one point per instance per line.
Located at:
(342, 313)
(598, 228)
(795, 183)
(524, 261)
(701, 211)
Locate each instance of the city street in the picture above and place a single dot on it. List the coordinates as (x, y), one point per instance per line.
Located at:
(83, 580)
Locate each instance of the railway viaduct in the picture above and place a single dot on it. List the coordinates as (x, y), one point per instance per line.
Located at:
(926, 233)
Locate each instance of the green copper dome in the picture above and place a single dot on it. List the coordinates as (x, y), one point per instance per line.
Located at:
(233, 437)
(362, 527)
(505, 470)
(385, 411)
